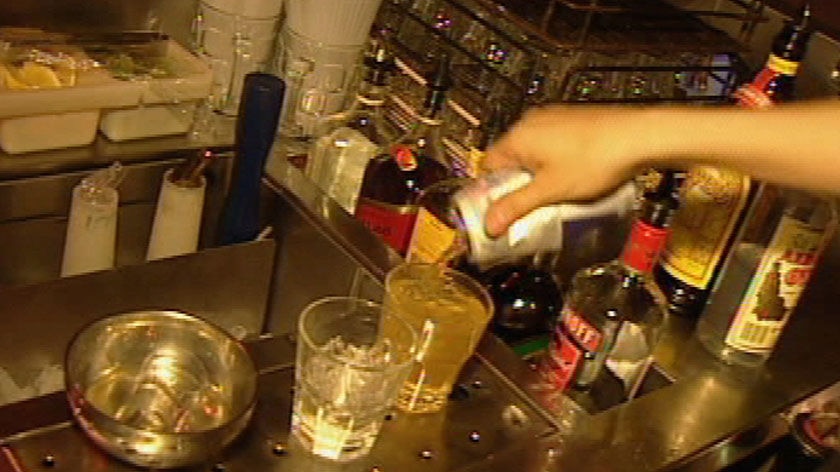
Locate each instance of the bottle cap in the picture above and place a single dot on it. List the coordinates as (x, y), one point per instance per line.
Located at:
(380, 65)
(441, 77)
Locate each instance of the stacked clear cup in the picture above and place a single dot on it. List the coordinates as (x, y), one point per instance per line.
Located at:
(235, 37)
(319, 53)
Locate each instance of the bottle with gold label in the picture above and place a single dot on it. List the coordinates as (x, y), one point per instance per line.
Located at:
(713, 200)
(394, 180)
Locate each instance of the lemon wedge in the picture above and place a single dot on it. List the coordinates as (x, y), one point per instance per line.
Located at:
(8, 79)
(38, 75)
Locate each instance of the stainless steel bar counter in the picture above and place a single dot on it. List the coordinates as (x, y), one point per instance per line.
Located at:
(696, 413)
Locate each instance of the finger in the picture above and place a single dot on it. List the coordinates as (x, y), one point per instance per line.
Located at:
(517, 204)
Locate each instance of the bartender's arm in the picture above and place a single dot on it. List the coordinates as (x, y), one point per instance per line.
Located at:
(581, 152)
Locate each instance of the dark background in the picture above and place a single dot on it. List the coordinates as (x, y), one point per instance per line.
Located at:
(826, 13)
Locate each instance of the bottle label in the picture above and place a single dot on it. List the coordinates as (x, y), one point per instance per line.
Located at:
(781, 65)
(475, 159)
(391, 222)
(754, 94)
(775, 288)
(644, 246)
(405, 158)
(573, 337)
(431, 238)
(711, 201)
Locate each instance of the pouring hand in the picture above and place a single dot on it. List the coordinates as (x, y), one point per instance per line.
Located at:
(574, 153)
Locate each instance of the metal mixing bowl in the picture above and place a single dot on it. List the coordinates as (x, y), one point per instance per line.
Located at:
(159, 389)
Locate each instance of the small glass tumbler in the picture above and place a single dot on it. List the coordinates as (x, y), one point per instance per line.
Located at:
(352, 359)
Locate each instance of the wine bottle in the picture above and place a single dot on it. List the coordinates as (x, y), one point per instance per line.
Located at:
(394, 180)
(713, 200)
(349, 139)
(526, 300)
(611, 316)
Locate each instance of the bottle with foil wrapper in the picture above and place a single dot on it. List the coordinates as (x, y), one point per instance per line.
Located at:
(452, 215)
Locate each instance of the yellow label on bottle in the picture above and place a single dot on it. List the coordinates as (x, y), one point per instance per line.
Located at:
(711, 202)
(475, 158)
(431, 238)
(782, 66)
(774, 290)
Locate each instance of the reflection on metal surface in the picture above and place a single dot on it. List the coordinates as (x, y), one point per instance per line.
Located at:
(227, 286)
(438, 442)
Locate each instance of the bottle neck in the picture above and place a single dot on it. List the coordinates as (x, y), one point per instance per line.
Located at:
(371, 95)
(642, 249)
(434, 102)
(649, 232)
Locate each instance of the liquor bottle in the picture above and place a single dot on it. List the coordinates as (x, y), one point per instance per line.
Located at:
(611, 315)
(349, 139)
(526, 300)
(714, 200)
(394, 180)
(765, 274)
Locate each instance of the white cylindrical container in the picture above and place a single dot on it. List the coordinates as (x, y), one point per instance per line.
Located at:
(177, 224)
(91, 238)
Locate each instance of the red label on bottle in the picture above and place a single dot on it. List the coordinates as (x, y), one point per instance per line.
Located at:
(394, 223)
(572, 338)
(644, 246)
(405, 158)
(754, 94)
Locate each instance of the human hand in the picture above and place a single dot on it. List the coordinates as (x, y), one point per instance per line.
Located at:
(574, 153)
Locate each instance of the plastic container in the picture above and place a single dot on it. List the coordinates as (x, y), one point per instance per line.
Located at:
(38, 119)
(42, 119)
(164, 106)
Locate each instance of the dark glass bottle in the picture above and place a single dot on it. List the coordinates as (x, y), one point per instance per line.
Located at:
(611, 316)
(526, 299)
(394, 180)
(713, 201)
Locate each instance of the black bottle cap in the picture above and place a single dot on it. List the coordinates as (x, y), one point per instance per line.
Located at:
(440, 79)
(380, 65)
(437, 83)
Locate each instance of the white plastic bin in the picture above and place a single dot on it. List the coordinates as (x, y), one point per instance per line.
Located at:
(165, 106)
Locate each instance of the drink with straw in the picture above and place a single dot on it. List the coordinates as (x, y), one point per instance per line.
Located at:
(450, 311)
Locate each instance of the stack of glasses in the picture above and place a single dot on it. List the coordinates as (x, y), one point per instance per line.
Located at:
(235, 37)
(318, 55)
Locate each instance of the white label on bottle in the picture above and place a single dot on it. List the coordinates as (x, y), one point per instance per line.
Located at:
(775, 288)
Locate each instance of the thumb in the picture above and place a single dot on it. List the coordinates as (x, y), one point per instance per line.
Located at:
(515, 205)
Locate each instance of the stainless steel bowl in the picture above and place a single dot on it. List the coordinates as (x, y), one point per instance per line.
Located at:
(159, 389)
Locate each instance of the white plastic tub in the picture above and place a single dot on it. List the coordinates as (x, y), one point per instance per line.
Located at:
(53, 131)
(165, 106)
(42, 119)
